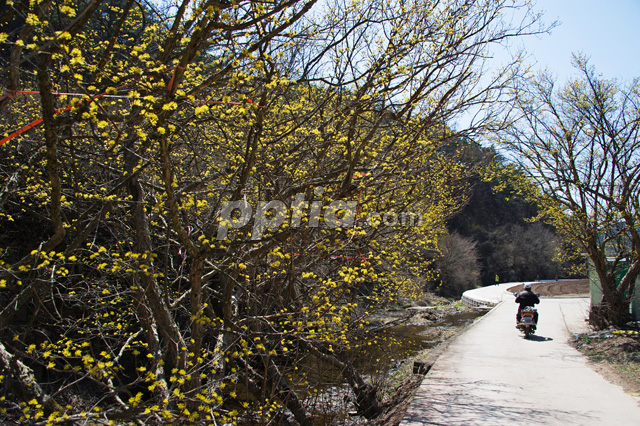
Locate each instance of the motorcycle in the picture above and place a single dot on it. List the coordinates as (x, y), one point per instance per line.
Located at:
(527, 322)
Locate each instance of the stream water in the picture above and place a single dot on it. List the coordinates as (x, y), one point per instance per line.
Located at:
(396, 344)
(384, 352)
(388, 351)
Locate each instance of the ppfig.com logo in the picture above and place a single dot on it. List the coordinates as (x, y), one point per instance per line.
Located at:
(270, 215)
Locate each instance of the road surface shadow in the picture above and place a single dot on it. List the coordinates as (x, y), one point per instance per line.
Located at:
(449, 402)
(536, 338)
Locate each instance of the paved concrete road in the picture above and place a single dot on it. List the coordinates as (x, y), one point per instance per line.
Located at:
(491, 375)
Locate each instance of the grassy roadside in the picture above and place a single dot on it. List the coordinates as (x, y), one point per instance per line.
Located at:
(615, 354)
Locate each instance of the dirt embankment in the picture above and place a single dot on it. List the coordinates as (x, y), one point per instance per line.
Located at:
(615, 354)
(558, 288)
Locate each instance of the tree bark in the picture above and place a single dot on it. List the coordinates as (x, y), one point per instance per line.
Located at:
(366, 402)
(22, 383)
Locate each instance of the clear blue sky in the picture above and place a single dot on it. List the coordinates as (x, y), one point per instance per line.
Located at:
(607, 31)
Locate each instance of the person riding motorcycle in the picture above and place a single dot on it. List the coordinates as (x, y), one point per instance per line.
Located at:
(527, 298)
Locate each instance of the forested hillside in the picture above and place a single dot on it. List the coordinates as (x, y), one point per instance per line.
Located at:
(493, 236)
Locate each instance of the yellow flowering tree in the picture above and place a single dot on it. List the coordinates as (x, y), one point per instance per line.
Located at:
(215, 192)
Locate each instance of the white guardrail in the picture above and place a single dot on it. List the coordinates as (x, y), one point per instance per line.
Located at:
(473, 303)
(488, 296)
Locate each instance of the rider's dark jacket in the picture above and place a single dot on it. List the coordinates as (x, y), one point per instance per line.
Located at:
(527, 298)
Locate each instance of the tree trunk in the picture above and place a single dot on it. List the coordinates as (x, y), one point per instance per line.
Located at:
(613, 309)
(273, 379)
(148, 288)
(366, 402)
(23, 384)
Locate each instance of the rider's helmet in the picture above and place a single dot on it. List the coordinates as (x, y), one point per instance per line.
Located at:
(527, 285)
